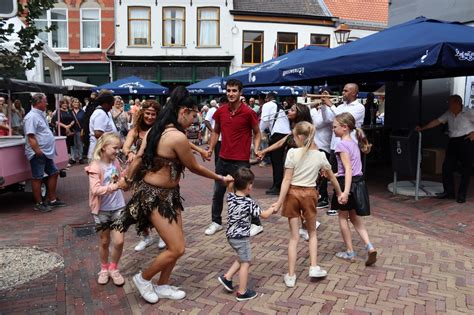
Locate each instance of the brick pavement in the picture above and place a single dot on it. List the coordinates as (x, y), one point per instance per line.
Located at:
(425, 264)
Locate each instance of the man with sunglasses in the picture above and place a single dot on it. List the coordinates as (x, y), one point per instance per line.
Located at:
(238, 125)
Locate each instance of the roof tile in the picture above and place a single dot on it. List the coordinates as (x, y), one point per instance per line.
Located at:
(375, 11)
(300, 7)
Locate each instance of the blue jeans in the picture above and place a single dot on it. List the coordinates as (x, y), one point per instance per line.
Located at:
(78, 146)
(41, 165)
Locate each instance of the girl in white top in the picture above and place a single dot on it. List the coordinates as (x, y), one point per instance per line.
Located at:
(298, 195)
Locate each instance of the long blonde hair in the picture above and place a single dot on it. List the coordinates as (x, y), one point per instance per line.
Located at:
(106, 139)
(307, 130)
(348, 120)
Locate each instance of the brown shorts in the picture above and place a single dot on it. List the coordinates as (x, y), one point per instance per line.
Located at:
(301, 201)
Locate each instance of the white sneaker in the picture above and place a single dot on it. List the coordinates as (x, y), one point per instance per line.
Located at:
(145, 288)
(317, 272)
(290, 280)
(161, 243)
(169, 292)
(304, 234)
(145, 242)
(317, 224)
(255, 229)
(213, 228)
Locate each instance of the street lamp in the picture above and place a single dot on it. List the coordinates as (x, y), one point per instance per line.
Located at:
(342, 33)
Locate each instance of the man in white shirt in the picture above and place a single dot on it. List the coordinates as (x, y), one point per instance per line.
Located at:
(210, 123)
(275, 120)
(322, 121)
(101, 120)
(355, 108)
(460, 146)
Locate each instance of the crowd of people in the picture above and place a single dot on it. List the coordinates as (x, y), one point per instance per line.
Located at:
(146, 150)
(156, 151)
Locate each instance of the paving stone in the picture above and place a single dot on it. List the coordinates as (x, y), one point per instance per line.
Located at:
(424, 266)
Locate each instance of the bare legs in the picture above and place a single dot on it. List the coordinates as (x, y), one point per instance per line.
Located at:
(293, 244)
(243, 269)
(173, 236)
(359, 226)
(117, 246)
(51, 183)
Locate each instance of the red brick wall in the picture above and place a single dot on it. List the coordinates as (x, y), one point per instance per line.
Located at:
(107, 31)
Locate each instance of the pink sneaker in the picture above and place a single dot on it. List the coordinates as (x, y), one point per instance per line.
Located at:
(103, 277)
(117, 278)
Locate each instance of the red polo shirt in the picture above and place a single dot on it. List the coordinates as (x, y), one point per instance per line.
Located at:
(236, 131)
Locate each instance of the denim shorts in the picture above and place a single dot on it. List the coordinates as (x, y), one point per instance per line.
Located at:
(41, 165)
(104, 219)
(242, 248)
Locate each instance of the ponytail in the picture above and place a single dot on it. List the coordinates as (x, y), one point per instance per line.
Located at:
(307, 130)
(167, 116)
(364, 144)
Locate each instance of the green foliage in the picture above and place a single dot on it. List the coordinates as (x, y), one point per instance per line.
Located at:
(14, 63)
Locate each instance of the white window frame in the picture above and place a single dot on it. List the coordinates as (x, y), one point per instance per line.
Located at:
(100, 31)
(50, 34)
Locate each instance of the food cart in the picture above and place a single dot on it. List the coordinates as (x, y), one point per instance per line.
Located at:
(15, 169)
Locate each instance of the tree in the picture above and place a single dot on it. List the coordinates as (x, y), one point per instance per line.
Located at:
(13, 63)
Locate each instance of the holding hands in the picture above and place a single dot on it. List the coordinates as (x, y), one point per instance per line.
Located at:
(343, 198)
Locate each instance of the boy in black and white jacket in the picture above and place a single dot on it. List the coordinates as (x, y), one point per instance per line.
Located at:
(241, 209)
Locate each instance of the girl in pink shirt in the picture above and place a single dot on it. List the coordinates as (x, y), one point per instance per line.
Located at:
(107, 202)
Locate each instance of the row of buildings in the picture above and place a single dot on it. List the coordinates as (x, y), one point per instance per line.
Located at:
(176, 42)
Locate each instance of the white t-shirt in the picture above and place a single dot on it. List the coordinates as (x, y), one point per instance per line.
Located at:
(306, 168)
(356, 109)
(210, 118)
(459, 125)
(114, 200)
(323, 123)
(281, 125)
(101, 121)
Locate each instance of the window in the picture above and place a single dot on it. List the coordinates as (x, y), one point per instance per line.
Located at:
(90, 29)
(57, 39)
(139, 26)
(286, 42)
(252, 47)
(320, 40)
(174, 23)
(208, 27)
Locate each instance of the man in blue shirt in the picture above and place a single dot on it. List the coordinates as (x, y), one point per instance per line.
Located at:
(40, 150)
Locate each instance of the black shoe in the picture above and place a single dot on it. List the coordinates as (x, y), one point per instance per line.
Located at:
(57, 203)
(41, 207)
(248, 295)
(72, 162)
(323, 203)
(461, 199)
(273, 191)
(444, 195)
(226, 283)
(82, 161)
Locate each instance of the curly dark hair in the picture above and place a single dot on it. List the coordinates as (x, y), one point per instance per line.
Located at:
(140, 124)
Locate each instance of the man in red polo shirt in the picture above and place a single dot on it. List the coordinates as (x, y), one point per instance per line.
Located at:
(238, 124)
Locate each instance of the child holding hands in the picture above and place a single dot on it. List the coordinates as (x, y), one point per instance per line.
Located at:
(241, 209)
(106, 202)
(354, 201)
(299, 197)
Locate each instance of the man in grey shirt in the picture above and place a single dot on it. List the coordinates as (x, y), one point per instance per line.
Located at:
(40, 150)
